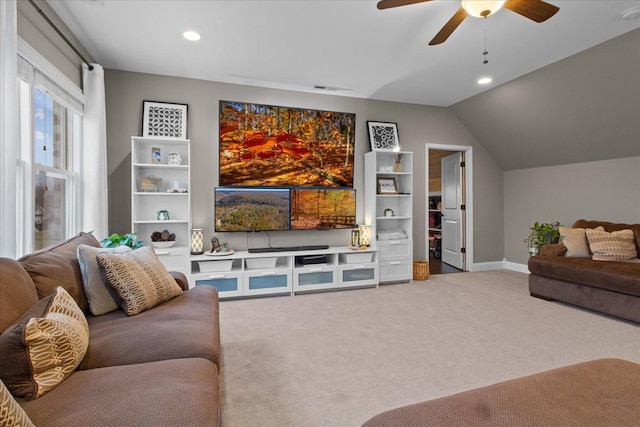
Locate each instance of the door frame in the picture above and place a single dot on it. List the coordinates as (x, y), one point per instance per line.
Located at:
(468, 196)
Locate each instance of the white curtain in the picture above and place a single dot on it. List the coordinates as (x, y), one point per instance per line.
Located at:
(8, 127)
(94, 154)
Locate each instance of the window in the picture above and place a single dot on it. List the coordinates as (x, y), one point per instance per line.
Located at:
(49, 137)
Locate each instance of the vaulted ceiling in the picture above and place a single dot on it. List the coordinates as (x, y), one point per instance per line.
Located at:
(578, 109)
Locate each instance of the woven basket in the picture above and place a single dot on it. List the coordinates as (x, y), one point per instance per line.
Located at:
(420, 270)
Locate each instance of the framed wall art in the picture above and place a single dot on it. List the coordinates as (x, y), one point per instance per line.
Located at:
(269, 145)
(387, 186)
(383, 136)
(164, 119)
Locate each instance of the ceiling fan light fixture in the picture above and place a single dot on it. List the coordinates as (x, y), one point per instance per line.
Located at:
(482, 8)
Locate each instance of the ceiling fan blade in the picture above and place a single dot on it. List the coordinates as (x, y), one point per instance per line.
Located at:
(449, 27)
(536, 10)
(387, 4)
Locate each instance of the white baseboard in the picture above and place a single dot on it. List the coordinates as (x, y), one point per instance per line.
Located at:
(500, 265)
(521, 268)
(486, 266)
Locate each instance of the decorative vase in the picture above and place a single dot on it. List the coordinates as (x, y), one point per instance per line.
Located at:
(163, 215)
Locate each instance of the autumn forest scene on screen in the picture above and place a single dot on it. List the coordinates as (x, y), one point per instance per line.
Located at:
(263, 145)
(323, 209)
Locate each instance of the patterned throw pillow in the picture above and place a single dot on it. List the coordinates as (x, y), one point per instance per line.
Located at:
(98, 294)
(44, 346)
(615, 246)
(11, 414)
(139, 278)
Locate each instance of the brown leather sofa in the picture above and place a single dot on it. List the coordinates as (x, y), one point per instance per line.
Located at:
(159, 367)
(610, 287)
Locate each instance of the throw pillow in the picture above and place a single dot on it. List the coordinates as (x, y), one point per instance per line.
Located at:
(575, 240)
(44, 346)
(139, 278)
(615, 246)
(11, 413)
(98, 294)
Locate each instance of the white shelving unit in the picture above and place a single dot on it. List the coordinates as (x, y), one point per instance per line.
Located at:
(391, 214)
(244, 274)
(146, 203)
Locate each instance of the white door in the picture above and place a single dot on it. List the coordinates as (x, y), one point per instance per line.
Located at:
(452, 214)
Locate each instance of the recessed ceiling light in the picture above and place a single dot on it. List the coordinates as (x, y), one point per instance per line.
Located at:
(484, 80)
(191, 35)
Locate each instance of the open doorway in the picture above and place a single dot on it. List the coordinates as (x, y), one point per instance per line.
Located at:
(449, 237)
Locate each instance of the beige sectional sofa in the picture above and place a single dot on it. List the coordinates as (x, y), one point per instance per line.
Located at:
(158, 367)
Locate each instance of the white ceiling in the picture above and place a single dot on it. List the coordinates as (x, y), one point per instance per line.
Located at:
(344, 44)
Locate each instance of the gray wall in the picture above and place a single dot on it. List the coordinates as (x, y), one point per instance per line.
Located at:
(33, 29)
(417, 125)
(583, 108)
(607, 190)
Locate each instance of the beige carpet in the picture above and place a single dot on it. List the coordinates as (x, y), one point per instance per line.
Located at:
(336, 359)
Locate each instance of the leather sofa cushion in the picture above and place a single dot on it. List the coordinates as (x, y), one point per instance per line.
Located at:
(179, 392)
(185, 326)
(17, 292)
(58, 266)
(616, 276)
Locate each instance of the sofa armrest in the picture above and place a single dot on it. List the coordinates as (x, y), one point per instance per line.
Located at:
(181, 279)
(555, 249)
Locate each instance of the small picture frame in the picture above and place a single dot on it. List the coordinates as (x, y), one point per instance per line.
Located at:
(387, 186)
(383, 136)
(164, 119)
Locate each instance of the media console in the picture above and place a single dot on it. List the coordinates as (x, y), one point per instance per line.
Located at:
(284, 272)
(287, 249)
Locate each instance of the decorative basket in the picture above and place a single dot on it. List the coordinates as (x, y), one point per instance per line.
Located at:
(151, 184)
(420, 270)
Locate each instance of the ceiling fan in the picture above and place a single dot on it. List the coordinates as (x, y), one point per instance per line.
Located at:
(536, 10)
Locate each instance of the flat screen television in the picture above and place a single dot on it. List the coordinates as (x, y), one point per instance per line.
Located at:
(323, 209)
(252, 209)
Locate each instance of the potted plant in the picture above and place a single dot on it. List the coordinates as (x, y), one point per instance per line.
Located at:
(542, 234)
(116, 240)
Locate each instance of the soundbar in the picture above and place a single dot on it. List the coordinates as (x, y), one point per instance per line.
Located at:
(288, 249)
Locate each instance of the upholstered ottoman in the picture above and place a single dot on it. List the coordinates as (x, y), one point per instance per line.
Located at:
(604, 392)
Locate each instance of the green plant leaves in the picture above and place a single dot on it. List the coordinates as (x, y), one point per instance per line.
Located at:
(116, 240)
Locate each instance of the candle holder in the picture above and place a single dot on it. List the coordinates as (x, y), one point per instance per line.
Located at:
(197, 243)
(365, 235)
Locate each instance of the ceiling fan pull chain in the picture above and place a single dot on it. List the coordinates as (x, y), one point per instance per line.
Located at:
(485, 53)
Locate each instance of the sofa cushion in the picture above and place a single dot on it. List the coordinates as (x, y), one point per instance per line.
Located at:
(575, 240)
(99, 295)
(44, 346)
(616, 276)
(185, 326)
(179, 392)
(11, 413)
(611, 226)
(615, 246)
(58, 266)
(17, 292)
(139, 278)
